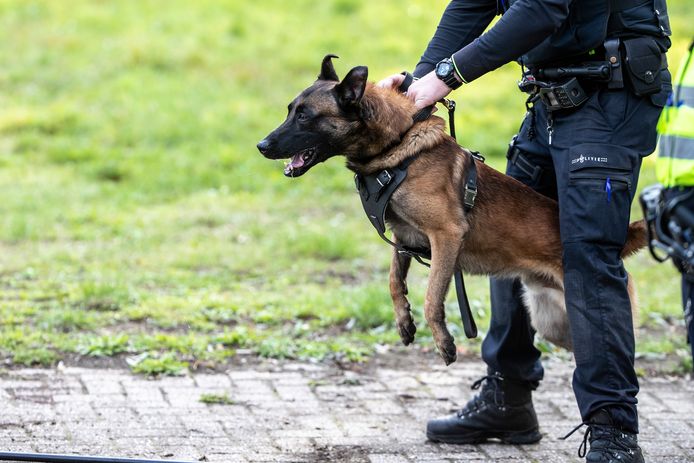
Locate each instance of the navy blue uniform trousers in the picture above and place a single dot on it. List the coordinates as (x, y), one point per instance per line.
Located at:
(591, 167)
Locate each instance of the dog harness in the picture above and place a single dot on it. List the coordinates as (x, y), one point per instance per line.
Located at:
(375, 191)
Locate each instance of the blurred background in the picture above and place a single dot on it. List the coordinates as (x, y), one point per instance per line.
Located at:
(139, 225)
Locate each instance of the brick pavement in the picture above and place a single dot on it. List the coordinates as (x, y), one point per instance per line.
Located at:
(291, 411)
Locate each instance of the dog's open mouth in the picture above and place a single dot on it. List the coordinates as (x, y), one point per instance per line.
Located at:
(300, 162)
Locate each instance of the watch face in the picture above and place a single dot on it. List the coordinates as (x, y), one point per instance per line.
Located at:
(443, 69)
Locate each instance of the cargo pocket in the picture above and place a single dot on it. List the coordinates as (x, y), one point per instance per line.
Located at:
(599, 193)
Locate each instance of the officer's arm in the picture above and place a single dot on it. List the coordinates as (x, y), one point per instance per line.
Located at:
(461, 23)
(524, 26)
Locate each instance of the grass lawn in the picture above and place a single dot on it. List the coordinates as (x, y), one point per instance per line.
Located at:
(139, 223)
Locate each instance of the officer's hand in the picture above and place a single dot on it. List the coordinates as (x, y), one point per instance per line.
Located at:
(427, 91)
(393, 81)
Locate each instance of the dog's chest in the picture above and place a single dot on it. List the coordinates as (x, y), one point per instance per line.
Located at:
(405, 231)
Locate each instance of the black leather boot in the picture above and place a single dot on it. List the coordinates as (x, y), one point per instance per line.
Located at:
(608, 443)
(502, 410)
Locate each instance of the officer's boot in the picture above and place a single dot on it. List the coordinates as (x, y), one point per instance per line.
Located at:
(608, 443)
(503, 409)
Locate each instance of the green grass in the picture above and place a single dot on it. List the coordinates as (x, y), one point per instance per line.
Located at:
(166, 364)
(216, 399)
(138, 221)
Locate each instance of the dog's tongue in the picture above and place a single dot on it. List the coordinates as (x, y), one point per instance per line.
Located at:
(296, 161)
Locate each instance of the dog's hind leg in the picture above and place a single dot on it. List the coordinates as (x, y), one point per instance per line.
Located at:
(399, 266)
(547, 308)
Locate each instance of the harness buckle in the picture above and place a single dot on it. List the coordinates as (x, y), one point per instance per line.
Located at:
(469, 197)
(478, 156)
(384, 178)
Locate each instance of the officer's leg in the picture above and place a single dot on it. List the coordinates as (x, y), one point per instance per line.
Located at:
(503, 408)
(509, 346)
(597, 155)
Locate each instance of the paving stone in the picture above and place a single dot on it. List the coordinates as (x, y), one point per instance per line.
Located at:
(387, 458)
(292, 411)
(212, 381)
(294, 445)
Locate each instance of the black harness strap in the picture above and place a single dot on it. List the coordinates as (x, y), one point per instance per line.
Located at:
(375, 191)
(469, 196)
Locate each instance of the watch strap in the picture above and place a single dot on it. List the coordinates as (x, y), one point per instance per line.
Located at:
(451, 79)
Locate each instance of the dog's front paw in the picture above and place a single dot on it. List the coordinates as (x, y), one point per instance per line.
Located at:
(406, 329)
(447, 350)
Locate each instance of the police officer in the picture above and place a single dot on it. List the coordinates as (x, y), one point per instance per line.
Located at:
(675, 168)
(581, 143)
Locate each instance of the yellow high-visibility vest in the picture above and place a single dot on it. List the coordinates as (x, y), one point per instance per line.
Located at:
(675, 163)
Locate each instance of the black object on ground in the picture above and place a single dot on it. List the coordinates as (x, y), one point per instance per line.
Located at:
(55, 458)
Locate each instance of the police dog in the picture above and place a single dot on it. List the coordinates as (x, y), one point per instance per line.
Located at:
(512, 231)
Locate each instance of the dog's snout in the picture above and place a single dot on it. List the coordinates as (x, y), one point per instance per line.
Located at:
(264, 146)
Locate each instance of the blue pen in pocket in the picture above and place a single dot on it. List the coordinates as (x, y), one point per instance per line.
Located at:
(608, 189)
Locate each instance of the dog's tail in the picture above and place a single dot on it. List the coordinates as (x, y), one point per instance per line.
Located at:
(637, 238)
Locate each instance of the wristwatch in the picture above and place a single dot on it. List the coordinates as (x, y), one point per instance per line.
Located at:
(445, 70)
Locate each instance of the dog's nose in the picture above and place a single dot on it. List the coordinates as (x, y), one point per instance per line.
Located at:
(264, 146)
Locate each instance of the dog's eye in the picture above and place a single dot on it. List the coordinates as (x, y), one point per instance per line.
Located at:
(301, 116)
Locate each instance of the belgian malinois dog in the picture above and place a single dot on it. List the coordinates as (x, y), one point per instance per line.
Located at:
(512, 231)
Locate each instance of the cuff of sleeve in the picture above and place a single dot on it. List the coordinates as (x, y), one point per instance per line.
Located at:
(474, 63)
(422, 69)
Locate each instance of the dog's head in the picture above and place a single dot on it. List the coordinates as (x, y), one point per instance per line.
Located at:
(323, 121)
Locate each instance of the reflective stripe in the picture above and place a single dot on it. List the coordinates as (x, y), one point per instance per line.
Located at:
(675, 172)
(677, 121)
(684, 96)
(675, 147)
(675, 163)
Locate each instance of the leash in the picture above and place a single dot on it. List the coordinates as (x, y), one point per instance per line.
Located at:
(375, 191)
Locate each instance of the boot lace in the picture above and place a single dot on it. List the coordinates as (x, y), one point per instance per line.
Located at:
(490, 383)
(618, 445)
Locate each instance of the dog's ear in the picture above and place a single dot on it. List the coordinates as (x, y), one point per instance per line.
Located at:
(327, 71)
(351, 89)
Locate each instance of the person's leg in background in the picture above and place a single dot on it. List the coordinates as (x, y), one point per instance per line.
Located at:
(684, 197)
(688, 305)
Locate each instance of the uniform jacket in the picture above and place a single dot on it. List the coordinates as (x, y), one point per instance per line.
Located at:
(536, 31)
